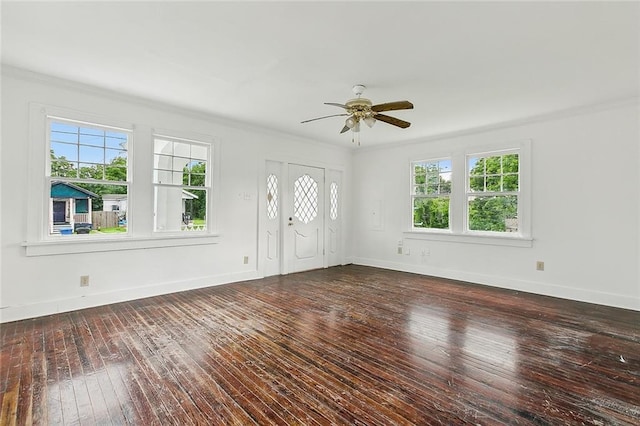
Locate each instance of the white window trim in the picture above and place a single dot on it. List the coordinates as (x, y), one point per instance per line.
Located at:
(37, 240)
(457, 231)
(414, 196)
(213, 179)
(39, 195)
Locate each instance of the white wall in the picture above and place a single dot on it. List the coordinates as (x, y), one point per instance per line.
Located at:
(40, 285)
(585, 209)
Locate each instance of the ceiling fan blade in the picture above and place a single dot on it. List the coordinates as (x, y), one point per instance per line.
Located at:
(336, 104)
(392, 106)
(392, 120)
(326, 116)
(344, 129)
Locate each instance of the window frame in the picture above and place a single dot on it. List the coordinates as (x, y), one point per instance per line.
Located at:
(458, 208)
(37, 242)
(49, 179)
(437, 195)
(469, 193)
(210, 180)
(39, 182)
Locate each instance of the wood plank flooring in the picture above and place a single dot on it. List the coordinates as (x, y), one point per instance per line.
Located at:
(345, 345)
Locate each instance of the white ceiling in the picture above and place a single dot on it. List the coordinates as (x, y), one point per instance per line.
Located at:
(273, 64)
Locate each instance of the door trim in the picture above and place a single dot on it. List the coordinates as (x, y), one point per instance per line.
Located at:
(284, 193)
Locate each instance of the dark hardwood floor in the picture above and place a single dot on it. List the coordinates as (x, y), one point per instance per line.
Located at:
(345, 345)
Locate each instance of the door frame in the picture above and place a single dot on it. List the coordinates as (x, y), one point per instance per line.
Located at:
(284, 195)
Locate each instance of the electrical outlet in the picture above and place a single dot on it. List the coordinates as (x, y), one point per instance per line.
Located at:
(399, 249)
(407, 251)
(84, 280)
(539, 265)
(245, 260)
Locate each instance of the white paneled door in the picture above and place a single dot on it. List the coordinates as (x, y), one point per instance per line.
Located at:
(305, 218)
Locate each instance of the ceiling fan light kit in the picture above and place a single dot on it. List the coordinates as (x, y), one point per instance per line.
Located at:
(362, 109)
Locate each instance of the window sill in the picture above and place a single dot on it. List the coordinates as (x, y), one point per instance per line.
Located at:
(85, 245)
(502, 240)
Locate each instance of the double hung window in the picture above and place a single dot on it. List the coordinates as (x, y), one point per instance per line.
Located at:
(493, 183)
(182, 184)
(473, 193)
(430, 193)
(87, 178)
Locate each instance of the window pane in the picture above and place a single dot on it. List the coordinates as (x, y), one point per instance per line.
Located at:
(161, 146)
(510, 163)
(194, 210)
(476, 169)
(162, 176)
(94, 137)
(81, 208)
(113, 154)
(333, 201)
(91, 171)
(68, 151)
(63, 127)
(510, 183)
(89, 154)
(164, 162)
(305, 198)
(197, 179)
(115, 172)
(272, 196)
(431, 213)
(70, 137)
(177, 209)
(64, 169)
(116, 142)
(476, 183)
(498, 214)
(493, 183)
(199, 152)
(181, 149)
(432, 177)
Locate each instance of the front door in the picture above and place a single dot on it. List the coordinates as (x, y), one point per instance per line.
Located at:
(59, 211)
(305, 220)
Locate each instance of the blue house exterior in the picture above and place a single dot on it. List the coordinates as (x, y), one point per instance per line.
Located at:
(70, 207)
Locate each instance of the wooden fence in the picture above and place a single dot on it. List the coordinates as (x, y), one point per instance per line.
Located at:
(104, 220)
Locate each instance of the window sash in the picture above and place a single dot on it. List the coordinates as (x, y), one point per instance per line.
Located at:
(92, 148)
(473, 194)
(169, 153)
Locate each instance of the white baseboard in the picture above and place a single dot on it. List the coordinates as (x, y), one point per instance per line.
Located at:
(536, 287)
(20, 312)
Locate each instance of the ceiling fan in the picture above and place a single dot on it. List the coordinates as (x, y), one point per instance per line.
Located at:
(362, 109)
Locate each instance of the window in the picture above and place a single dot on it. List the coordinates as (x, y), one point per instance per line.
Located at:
(272, 196)
(333, 201)
(305, 199)
(86, 162)
(477, 195)
(182, 184)
(430, 193)
(492, 192)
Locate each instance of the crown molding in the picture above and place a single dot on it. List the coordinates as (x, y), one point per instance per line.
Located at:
(604, 105)
(47, 79)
